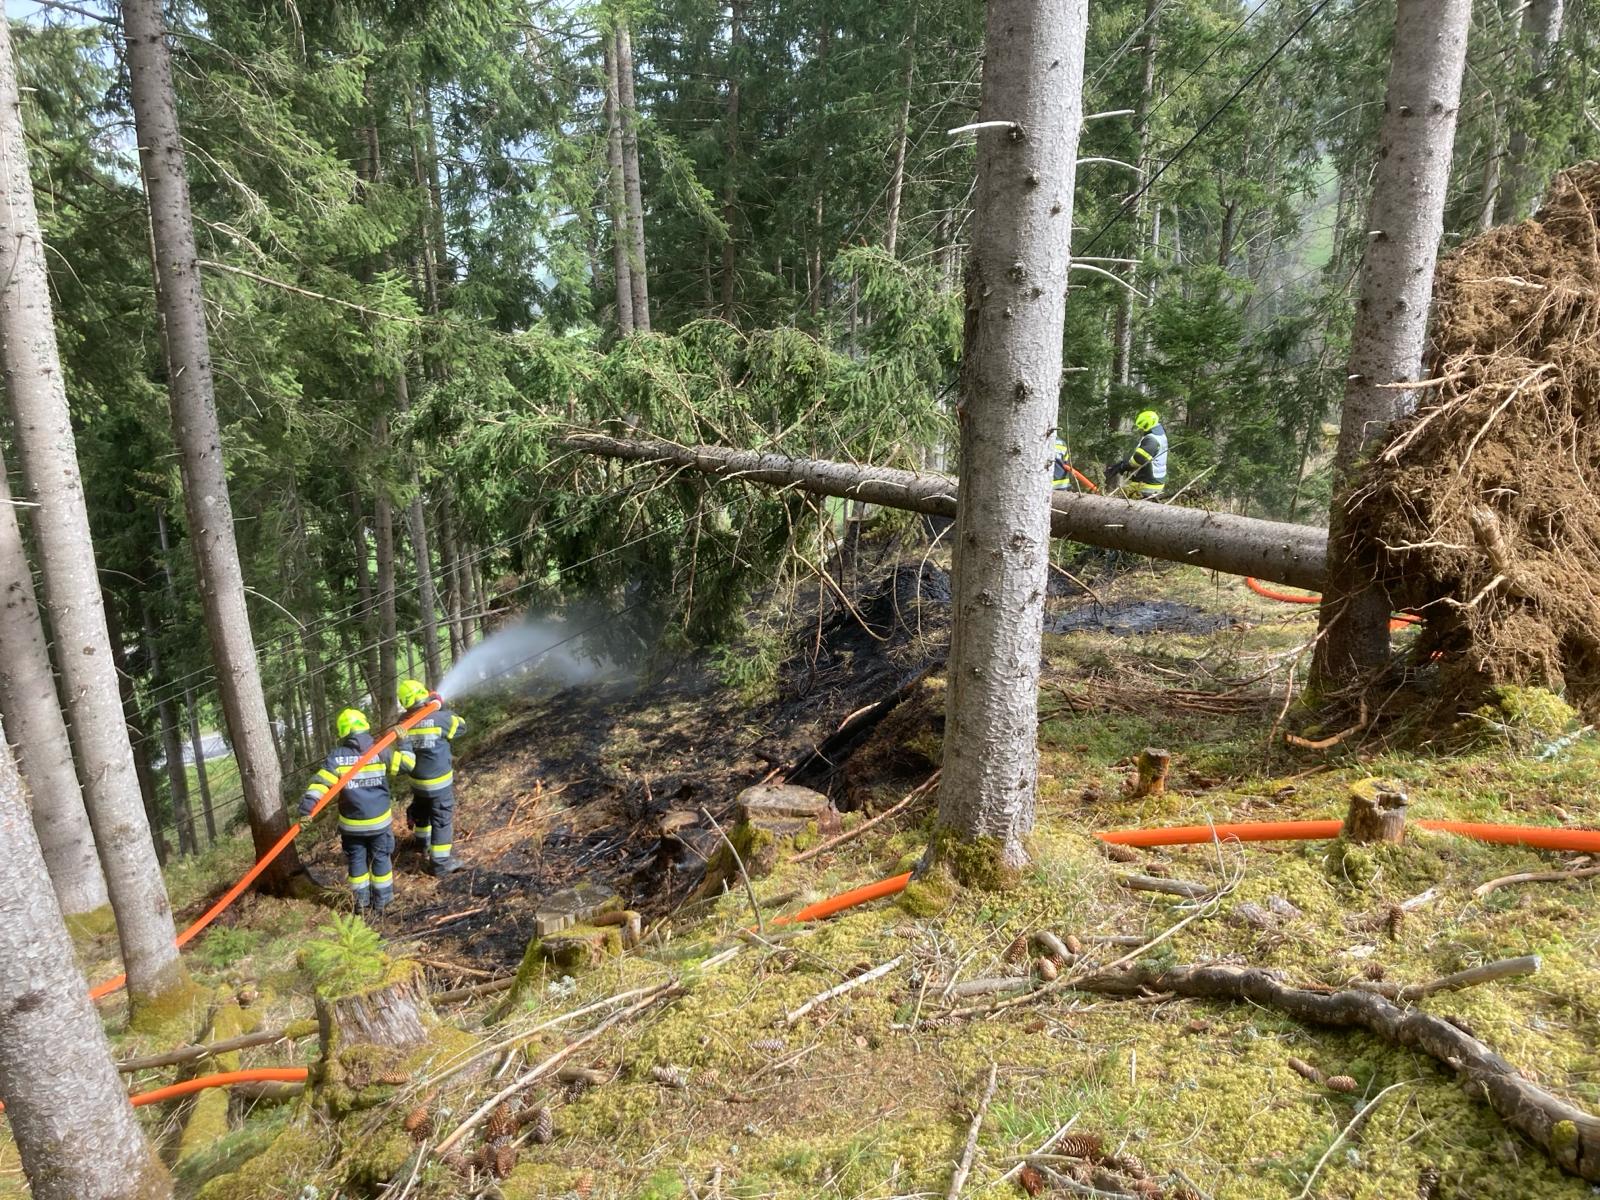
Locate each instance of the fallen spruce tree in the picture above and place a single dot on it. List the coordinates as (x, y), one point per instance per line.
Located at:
(1270, 550)
(1481, 511)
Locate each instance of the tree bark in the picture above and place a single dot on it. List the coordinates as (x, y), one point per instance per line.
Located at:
(202, 779)
(638, 269)
(1407, 220)
(417, 523)
(1270, 550)
(32, 713)
(36, 394)
(451, 564)
(617, 191)
(370, 632)
(139, 734)
(730, 181)
(171, 743)
(1377, 813)
(1122, 351)
(198, 435)
(388, 677)
(902, 127)
(1519, 189)
(70, 1118)
(1010, 391)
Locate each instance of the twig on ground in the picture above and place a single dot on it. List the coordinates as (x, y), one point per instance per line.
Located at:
(849, 985)
(1072, 1186)
(744, 877)
(534, 1074)
(472, 991)
(899, 806)
(1045, 1147)
(1328, 743)
(1168, 887)
(1483, 889)
(190, 1053)
(1355, 1123)
(970, 1150)
(1506, 968)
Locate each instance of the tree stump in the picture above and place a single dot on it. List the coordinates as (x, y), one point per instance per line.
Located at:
(394, 1014)
(1377, 813)
(1153, 764)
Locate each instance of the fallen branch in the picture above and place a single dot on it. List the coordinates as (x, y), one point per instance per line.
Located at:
(1483, 889)
(899, 806)
(534, 1074)
(1506, 968)
(1045, 1147)
(1567, 1133)
(970, 1150)
(1167, 887)
(849, 985)
(189, 1053)
(472, 991)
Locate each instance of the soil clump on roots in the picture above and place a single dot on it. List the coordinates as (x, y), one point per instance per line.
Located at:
(1481, 508)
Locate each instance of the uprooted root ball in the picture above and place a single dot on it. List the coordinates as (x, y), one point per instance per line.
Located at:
(1482, 508)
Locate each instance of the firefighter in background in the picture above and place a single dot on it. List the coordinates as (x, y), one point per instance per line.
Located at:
(1148, 462)
(433, 794)
(365, 814)
(1062, 477)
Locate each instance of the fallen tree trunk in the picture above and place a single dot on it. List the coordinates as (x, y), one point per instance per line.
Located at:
(1270, 550)
(1567, 1133)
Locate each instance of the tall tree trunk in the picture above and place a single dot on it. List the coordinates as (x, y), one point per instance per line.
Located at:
(32, 712)
(451, 564)
(388, 677)
(417, 526)
(198, 435)
(902, 134)
(37, 398)
(1122, 350)
(139, 734)
(1407, 220)
(1230, 214)
(1010, 389)
(190, 705)
(441, 243)
(171, 743)
(638, 268)
(365, 601)
(1519, 189)
(481, 596)
(730, 179)
(69, 1115)
(617, 192)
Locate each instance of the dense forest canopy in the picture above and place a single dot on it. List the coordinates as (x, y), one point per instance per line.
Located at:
(406, 222)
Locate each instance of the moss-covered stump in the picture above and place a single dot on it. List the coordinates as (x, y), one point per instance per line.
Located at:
(573, 906)
(575, 949)
(1377, 813)
(368, 1034)
(774, 820)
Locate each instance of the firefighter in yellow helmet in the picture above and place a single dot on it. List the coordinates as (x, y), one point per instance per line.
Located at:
(1147, 463)
(1062, 477)
(433, 793)
(365, 815)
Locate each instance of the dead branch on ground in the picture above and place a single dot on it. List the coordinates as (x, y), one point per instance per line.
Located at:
(970, 1150)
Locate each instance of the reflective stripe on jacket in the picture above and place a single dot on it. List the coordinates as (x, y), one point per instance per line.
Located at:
(364, 801)
(1149, 458)
(429, 742)
(1061, 476)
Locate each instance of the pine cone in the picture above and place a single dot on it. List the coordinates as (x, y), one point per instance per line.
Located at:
(544, 1124)
(1430, 1184)
(394, 1079)
(1127, 1164)
(1047, 969)
(501, 1124)
(1032, 1180)
(1340, 1083)
(575, 1090)
(770, 1046)
(1304, 1069)
(419, 1122)
(1146, 1189)
(1073, 944)
(1018, 949)
(669, 1076)
(1081, 1145)
(584, 1186)
(1393, 920)
(504, 1161)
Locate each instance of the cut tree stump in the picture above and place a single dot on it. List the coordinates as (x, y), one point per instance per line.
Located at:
(394, 1014)
(1153, 764)
(1377, 813)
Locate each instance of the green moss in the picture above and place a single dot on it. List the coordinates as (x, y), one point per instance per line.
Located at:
(538, 1181)
(930, 895)
(375, 1160)
(279, 1170)
(978, 863)
(1525, 714)
(170, 1014)
(208, 1118)
(95, 923)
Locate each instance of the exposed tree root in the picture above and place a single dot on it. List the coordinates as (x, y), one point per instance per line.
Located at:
(1567, 1133)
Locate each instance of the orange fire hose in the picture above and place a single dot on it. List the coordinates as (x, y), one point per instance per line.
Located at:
(1398, 621)
(233, 893)
(844, 900)
(1538, 837)
(1082, 478)
(221, 1079)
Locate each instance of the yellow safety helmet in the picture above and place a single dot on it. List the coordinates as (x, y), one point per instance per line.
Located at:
(352, 720)
(411, 693)
(1147, 420)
